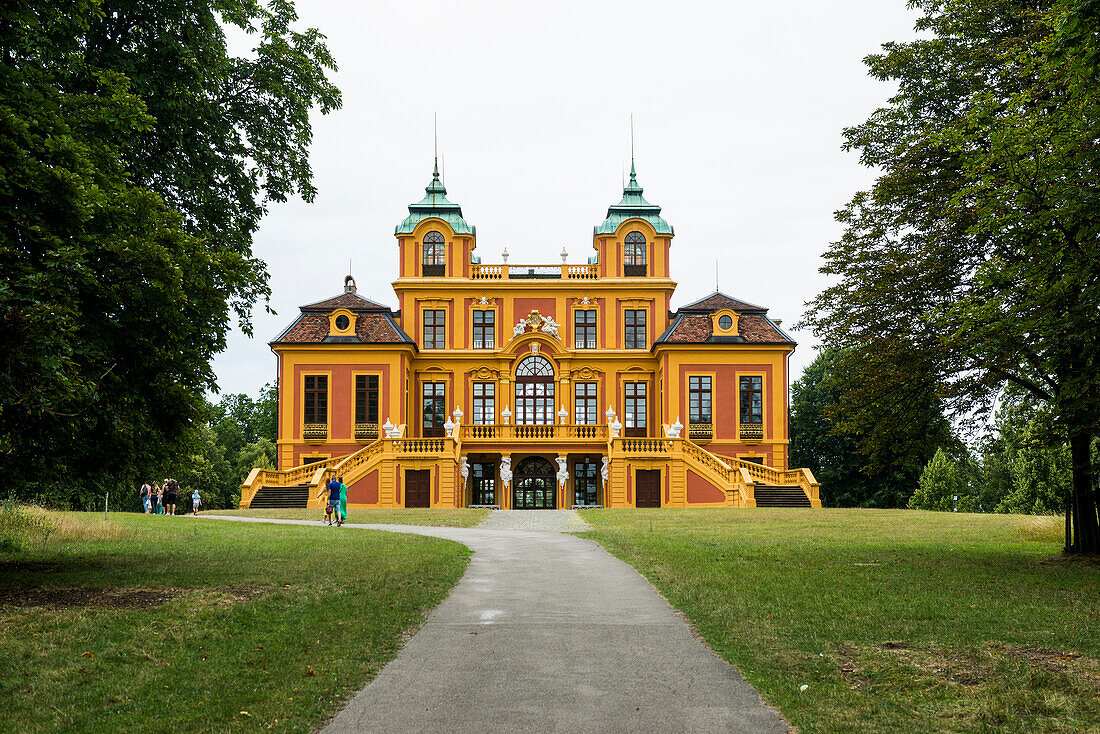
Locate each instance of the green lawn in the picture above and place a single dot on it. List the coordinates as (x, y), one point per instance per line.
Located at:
(446, 518)
(895, 620)
(176, 624)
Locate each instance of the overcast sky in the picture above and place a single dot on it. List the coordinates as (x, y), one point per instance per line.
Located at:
(738, 110)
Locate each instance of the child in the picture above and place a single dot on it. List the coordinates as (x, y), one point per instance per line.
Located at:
(196, 500)
(328, 505)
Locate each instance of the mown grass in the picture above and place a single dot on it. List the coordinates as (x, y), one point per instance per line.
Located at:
(895, 620)
(401, 516)
(185, 625)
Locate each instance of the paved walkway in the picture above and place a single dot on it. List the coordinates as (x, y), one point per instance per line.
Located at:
(555, 521)
(548, 632)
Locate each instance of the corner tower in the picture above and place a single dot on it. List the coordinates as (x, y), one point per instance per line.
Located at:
(434, 240)
(633, 241)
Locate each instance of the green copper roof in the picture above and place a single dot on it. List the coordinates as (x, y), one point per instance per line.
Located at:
(434, 205)
(633, 206)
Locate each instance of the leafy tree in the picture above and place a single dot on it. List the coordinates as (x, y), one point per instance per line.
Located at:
(974, 257)
(941, 482)
(137, 157)
(856, 465)
(207, 470)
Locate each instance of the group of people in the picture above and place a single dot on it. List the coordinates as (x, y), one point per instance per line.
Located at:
(337, 506)
(160, 499)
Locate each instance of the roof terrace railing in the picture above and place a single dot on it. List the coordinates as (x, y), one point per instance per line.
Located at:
(590, 271)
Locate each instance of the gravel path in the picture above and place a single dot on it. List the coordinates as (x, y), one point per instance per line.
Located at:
(548, 632)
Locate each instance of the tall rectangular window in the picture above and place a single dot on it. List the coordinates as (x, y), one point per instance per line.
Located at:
(484, 403)
(316, 399)
(699, 399)
(435, 326)
(584, 329)
(434, 411)
(585, 407)
(366, 398)
(484, 329)
(635, 330)
(634, 422)
(752, 401)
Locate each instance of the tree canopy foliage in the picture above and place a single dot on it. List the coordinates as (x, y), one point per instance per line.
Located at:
(974, 258)
(137, 158)
(856, 465)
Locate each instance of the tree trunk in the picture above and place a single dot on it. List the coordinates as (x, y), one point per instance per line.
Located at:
(1086, 526)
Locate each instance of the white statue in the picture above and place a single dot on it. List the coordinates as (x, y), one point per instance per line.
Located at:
(549, 326)
(563, 470)
(675, 428)
(521, 326)
(603, 470)
(506, 471)
(465, 470)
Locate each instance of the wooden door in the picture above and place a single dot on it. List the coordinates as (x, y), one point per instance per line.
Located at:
(647, 488)
(418, 487)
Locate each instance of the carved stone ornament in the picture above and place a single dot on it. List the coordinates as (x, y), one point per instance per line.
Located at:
(534, 347)
(585, 373)
(465, 470)
(549, 326)
(485, 373)
(603, 470)
(534, 320)
(675, 428)
(563, 470)
(506, 471)
(521, 326)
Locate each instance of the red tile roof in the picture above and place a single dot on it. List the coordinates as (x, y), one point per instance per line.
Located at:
(371, 328)
(697, 328)
(350, 301)
(718, 300)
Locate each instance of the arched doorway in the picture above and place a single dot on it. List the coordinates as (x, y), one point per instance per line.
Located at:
(535, 392)
(533, 485)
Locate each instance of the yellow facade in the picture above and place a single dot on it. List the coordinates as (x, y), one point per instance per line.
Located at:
(517, 385)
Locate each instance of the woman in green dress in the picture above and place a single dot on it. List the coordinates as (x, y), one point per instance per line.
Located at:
(343, 500)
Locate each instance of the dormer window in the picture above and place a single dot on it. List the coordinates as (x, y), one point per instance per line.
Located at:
(435, 254)
(634, 247)
(342, 322)
(725, 322)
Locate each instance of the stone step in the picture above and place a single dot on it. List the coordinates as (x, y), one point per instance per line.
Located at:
(771, 495)
(266, 497)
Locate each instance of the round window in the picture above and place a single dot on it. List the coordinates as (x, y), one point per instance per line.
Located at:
(342, 322)
(725, 323)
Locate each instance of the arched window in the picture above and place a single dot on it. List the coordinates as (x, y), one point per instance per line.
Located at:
(535, 367)
(534, 392)
(634, 254)
(435, 254)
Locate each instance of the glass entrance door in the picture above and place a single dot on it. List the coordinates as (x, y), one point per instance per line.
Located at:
(533, 485)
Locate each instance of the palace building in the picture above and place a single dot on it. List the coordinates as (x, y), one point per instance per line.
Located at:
(533, 386)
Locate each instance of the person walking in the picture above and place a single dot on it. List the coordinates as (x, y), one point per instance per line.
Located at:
(160, 498)
(343, 500)
(333, 488)
(171, 495)
(196, 500)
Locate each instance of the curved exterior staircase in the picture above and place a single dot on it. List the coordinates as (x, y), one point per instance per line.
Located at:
(693, 476)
